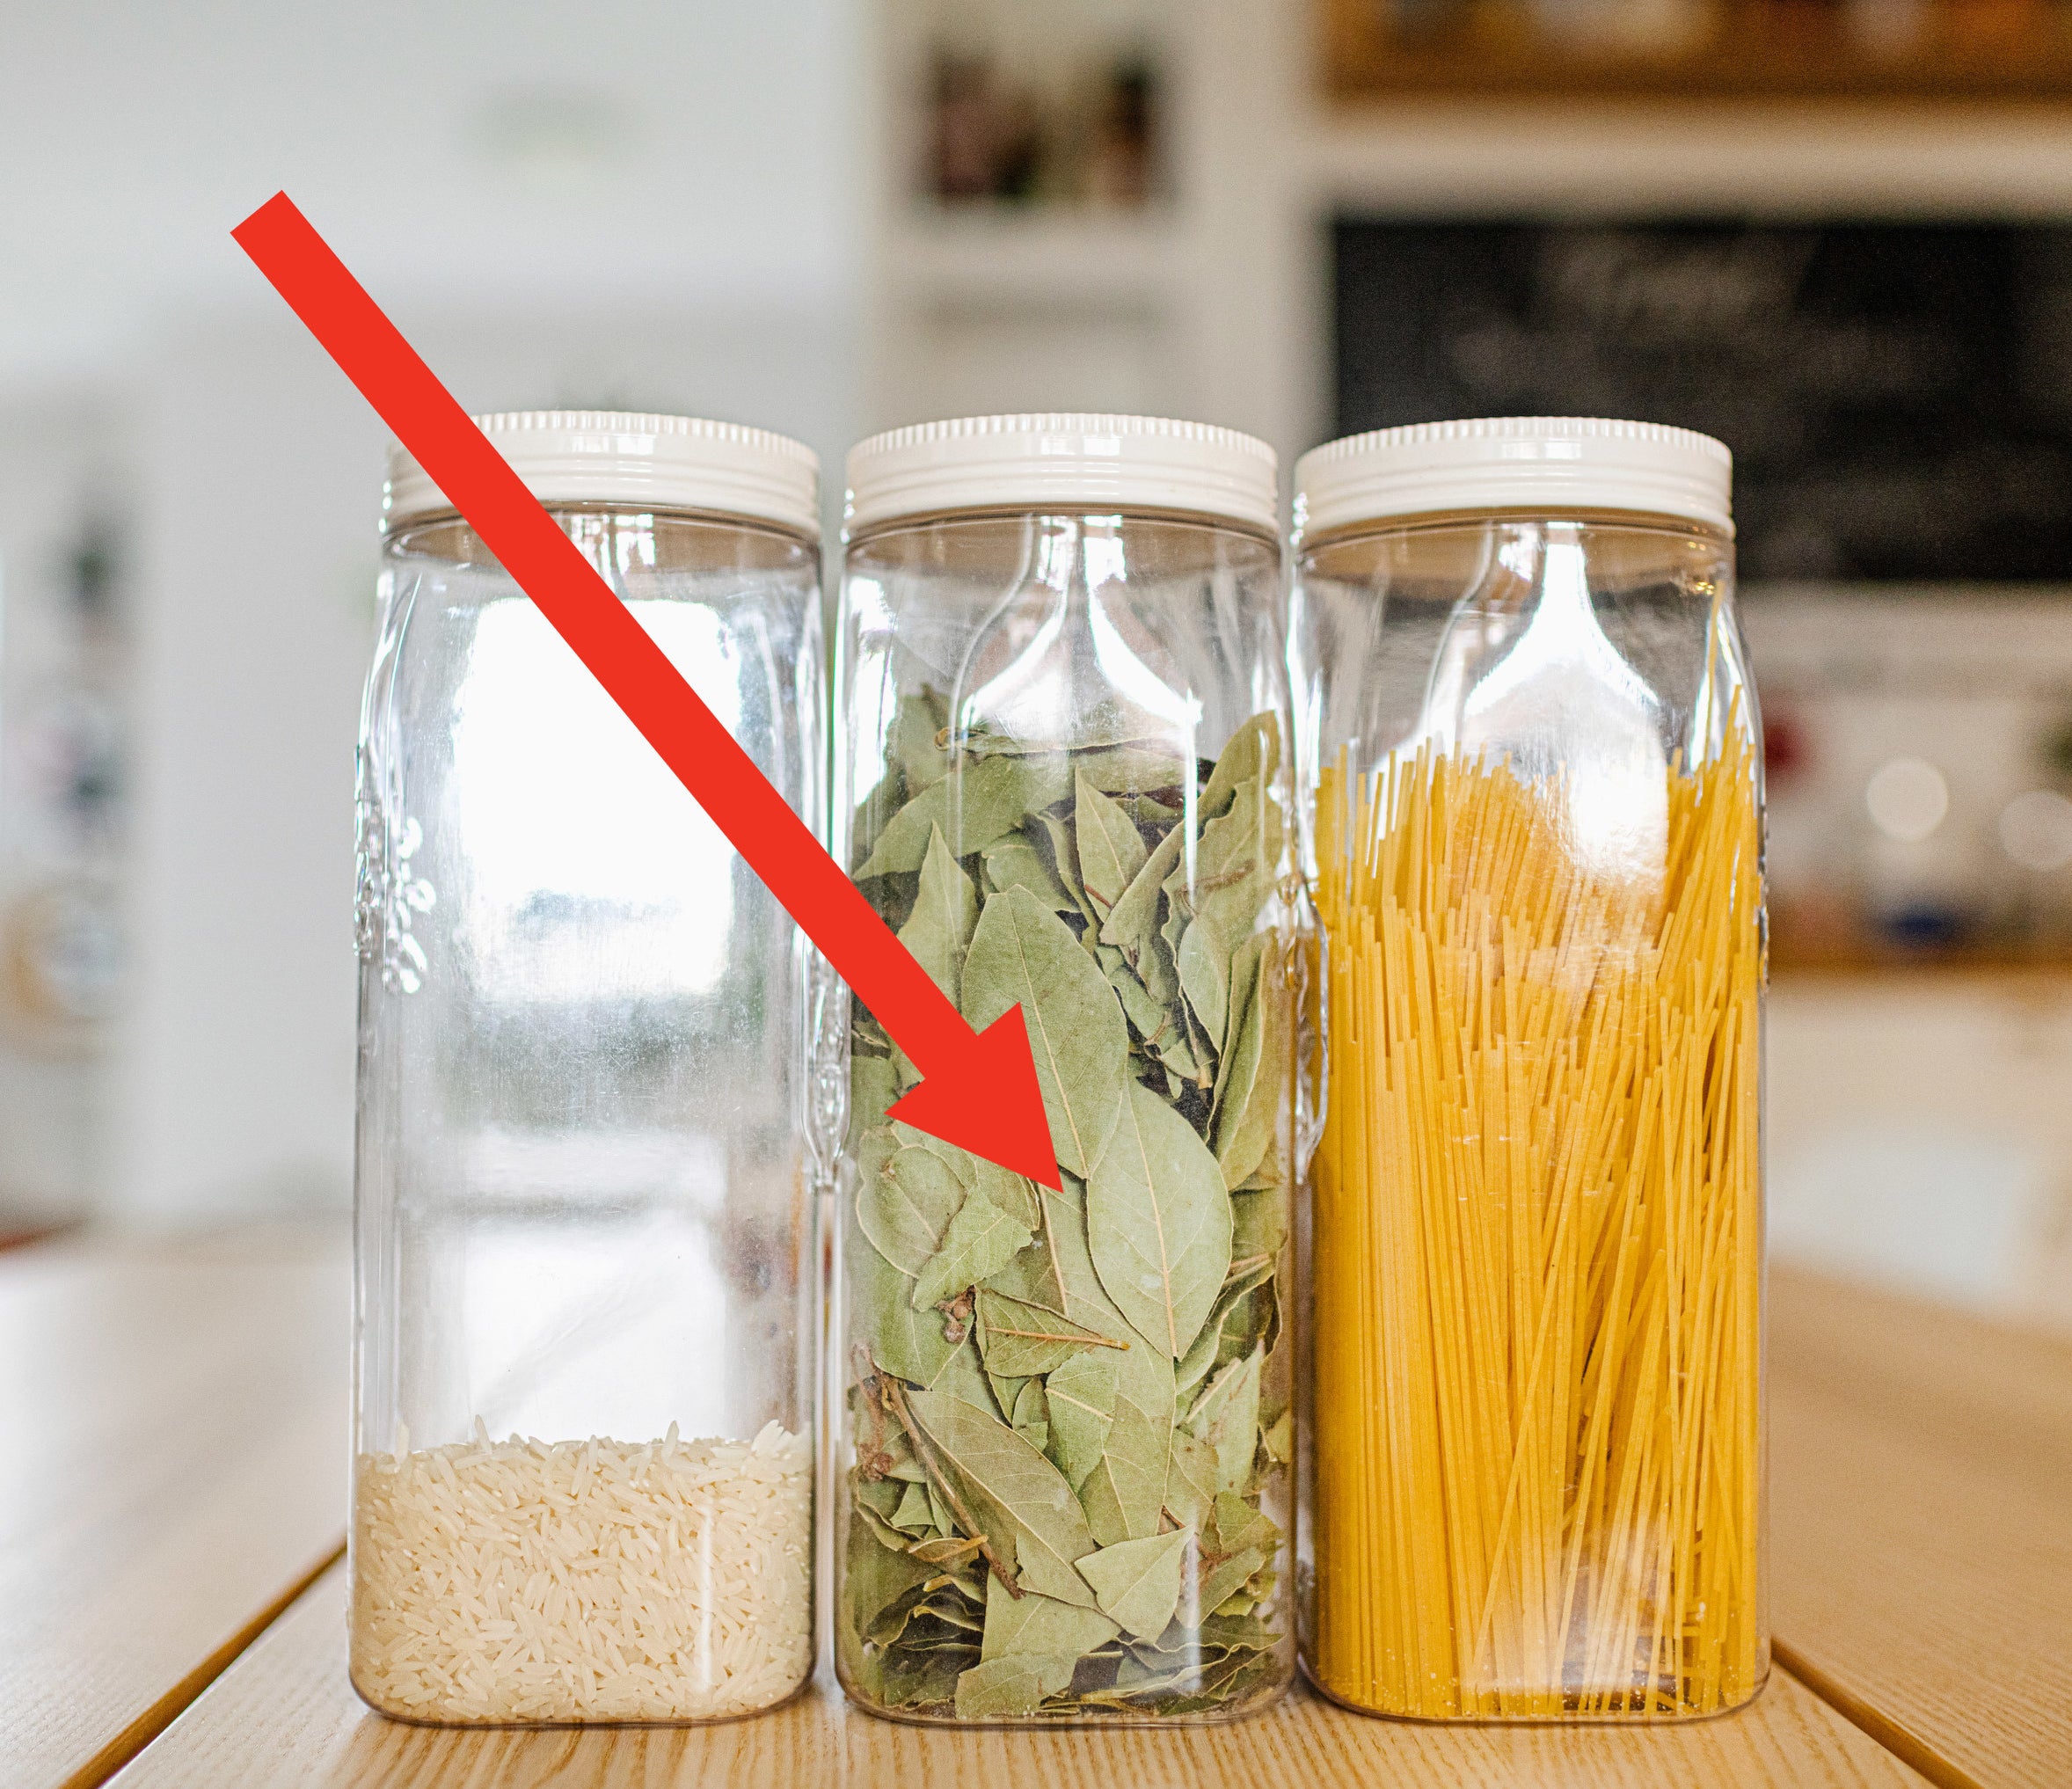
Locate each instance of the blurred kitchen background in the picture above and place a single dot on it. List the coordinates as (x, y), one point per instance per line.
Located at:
(1837, 232)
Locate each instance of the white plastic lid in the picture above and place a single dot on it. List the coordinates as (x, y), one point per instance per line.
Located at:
(1546, 462)
(641, 460)
(1065, 462)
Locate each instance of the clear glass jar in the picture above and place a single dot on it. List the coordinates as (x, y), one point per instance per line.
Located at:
(1534, 1486)
(1064, 1417)
(586, 1345)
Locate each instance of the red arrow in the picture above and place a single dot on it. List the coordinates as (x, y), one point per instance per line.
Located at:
(978, 1090)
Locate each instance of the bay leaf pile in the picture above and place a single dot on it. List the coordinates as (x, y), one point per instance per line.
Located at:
(1070, 1409)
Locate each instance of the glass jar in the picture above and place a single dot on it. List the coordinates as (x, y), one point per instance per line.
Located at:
(586, 1345)
(1535, 1482)
(1063, 775)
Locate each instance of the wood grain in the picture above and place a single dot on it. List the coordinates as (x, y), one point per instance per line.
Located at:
(176, 1467)
(1747, 52)
(1921, 1527)
(285, 1714)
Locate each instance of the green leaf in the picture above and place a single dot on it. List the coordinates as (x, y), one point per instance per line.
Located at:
(906, 1206)
(1190, 1480)
(1081, 1398)
(1125, 1492)
(1158, 1223)
(1226, 1577)
(1056, 833)
(1040, 1626)
(1258, 1223)
(1031, 1415)
(973, 805)
(981, 1240)
(872, 1087)
(1012, 1689)
(912, 1515)
(902, 1341)
(1252, 755)
(1020, 1339)
(1137, 1582)
(1032, 1278)
(1111, 849)
(1023, 953)
(1013, 1490)
(1230, 1317)
(916, 732)
(937, 932)
(1238, 862)
(1013, 862)
(1125, 1489)
(1205, 978)
(1227, 1417)
(1132, 924)
(1241, 1524)
(1250, 1091)
(1129, 768)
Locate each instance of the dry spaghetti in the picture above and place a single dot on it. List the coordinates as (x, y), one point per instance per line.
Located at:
(1537, 1249)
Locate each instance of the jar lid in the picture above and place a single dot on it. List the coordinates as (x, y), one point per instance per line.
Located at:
(1062, 462)
(1551, 462)
(641, 460)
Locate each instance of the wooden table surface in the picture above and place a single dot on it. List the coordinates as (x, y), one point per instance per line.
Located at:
(156, 1555)
(174, 1474)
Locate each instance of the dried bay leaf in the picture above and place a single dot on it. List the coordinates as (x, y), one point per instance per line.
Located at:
(1012, 1689)
(1040, 1626)
(1054, 842)
(1080, 1397)
(1023, 954)
(1012, 1484)
(1252, 755)
(1239, 863)
(946, 909)
(1111, 849)
(1023, 1339)
(917, 742)
(1136, 1583)
(1204, 979)
(1132, 924)
(1158, 1223)
(1250, 1094)
(1031, 1415)
(902, 1341)
(1130, 769)
(906, 1206)
(1013, 862)
(973, 805)
(980, 1239)
(1232, 1316)
(1190, 1480)
(1227, 1417)
(1124, 1494)
(872, 1087)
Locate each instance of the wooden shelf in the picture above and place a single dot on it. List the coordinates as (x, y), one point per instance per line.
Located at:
(1750, 55)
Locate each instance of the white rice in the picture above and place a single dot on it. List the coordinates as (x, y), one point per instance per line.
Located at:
(523, 1580)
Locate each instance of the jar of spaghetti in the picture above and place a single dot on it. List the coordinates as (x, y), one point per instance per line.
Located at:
(1532, 1485)
(1064, 774)
(588, 1338)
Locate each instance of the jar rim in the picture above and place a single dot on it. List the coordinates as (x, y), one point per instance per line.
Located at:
(1068, 462)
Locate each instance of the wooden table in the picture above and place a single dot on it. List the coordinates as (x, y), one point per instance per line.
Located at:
(156, 1556)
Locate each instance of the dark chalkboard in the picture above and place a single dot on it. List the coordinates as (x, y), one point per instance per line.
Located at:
(1898, 397)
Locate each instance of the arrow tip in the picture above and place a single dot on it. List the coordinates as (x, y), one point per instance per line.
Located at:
(987, 1100)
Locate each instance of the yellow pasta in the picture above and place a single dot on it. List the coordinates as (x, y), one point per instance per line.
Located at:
(1536, 1250)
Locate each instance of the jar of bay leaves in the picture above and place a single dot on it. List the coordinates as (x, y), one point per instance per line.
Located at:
(1535, 1236)
(587, 1337)
(1063, 776)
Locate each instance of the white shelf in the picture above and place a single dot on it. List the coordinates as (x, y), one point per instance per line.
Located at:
(1034, 255)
